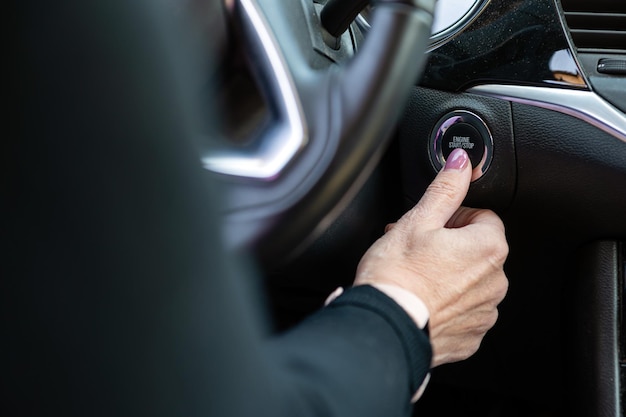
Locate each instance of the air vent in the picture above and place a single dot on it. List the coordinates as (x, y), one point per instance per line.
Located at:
(597, 25)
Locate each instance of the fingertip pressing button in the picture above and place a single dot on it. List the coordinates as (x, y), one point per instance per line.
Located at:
(466, 137)
(465, 130)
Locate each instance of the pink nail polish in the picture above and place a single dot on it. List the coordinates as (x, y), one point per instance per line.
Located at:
(457, 159)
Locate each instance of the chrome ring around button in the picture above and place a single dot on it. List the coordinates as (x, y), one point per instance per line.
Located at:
(435, 145)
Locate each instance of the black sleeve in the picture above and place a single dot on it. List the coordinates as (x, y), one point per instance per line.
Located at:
(117, 297)
(360, 356)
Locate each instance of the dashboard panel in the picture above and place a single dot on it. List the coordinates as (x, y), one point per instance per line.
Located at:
(558, 180)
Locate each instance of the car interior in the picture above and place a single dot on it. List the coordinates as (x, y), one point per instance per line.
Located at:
(325, 120)
(531, 78)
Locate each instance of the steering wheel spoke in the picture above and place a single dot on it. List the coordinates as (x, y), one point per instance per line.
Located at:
(329, 124)
(268, 154)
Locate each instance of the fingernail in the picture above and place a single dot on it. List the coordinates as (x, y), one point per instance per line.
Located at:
(457, 159)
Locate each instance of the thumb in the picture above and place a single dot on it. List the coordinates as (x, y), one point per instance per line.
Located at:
(447, 191)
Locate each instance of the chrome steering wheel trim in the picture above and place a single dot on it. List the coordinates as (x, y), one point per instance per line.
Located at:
(269, 153)
(330, 121)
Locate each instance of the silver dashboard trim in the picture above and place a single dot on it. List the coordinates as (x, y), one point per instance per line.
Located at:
(276, 147)
(583, 104)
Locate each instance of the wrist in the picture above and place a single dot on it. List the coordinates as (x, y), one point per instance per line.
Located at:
(411, 303)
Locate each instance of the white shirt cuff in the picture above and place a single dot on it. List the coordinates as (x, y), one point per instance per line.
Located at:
(421, 389)
(411, 303)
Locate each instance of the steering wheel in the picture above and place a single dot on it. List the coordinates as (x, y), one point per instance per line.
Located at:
(330, 121)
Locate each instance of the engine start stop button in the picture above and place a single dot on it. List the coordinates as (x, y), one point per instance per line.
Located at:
(464, 136)
(465, 130)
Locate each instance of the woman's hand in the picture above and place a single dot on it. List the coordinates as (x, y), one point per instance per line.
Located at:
(451, 257)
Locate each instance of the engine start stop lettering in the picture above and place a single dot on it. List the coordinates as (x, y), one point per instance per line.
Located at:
(461, 142)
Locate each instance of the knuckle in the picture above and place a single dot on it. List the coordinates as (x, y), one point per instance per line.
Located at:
(501, 250)
(498, 251)
(494, 219)
(472, 347)
(487, 321)
(492, 319)
(503, 288)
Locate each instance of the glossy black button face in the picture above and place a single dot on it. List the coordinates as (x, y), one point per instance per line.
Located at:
(464, 136)
(465, 130)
